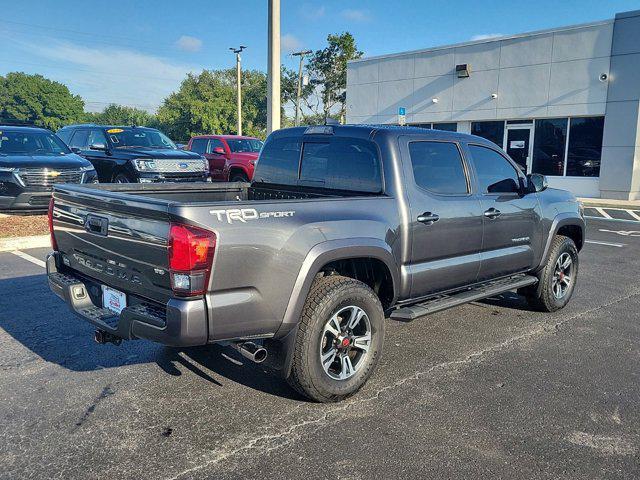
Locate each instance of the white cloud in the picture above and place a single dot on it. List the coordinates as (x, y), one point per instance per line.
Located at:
(312, 13)
(356, 15)
(109, 75)
(189, 44)
(290, 43)
(486, 36)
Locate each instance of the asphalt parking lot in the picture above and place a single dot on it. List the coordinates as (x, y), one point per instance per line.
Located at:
(488, 390)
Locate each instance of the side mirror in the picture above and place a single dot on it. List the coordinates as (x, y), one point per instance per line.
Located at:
(98, 146)
(537, 182)
(219, 151)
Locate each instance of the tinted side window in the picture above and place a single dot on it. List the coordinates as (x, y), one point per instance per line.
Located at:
(213, 144)
(64, 135)
(437, 167)
(342, 164)
(79, 139)
(278, 162)
(96, 136)
(199, 145)
(495, 173)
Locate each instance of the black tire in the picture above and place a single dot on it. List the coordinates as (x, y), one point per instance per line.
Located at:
(328, 296)
(541, 296)
(239, 177)
(122, 178)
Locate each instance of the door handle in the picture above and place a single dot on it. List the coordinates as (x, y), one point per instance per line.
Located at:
(492, 213)
(428, 218)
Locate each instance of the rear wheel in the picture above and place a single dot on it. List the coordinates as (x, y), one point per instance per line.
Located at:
(339, 340)
(557, 279)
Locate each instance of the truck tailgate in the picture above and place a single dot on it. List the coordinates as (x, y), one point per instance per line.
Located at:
(118, 240)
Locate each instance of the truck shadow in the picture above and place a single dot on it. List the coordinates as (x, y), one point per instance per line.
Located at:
(42, 323)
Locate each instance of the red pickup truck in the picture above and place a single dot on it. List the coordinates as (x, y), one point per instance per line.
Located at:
(231, 157)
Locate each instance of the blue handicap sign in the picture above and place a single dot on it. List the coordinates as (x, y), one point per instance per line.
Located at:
(402, 111)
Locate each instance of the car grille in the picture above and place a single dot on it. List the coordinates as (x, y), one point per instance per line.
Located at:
(180, 166)
(46, 177)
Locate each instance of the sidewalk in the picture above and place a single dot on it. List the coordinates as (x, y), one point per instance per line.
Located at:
(603, 202)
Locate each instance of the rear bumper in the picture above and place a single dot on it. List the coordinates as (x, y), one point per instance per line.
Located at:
(182, 323)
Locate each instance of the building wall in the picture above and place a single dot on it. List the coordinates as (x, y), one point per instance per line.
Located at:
(545, 74)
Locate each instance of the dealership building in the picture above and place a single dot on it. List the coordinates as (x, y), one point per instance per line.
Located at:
(562, 102)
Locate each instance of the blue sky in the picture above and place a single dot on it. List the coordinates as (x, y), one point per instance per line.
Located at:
(137, 52)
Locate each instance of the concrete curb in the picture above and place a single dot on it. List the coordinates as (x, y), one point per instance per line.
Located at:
(21, 243)
(603, 202)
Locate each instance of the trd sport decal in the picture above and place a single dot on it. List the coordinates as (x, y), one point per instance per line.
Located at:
(245, 214)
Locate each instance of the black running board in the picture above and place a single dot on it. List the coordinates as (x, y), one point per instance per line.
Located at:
(478, 292)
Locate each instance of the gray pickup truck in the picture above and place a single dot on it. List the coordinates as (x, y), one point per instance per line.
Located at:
(340, 227)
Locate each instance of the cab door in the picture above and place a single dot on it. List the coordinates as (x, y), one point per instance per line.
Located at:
(511, 217)
(217, 155)
(100, 159)
(445, 216)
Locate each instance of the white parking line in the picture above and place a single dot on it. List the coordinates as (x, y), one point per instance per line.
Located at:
(633, 214)
(29, 258)
(608, 244)
(601, 211)
(590, 217)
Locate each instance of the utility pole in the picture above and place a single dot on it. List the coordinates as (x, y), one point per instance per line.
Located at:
(299, 92)
(238, 51)
(273, 68)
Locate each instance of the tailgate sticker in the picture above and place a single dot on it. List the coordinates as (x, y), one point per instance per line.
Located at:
(245, 214)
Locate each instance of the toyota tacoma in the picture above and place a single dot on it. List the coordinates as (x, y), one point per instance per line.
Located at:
(340, 227)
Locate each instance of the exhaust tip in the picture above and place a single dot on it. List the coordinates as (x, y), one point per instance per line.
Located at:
(250, 350)
(260, 355)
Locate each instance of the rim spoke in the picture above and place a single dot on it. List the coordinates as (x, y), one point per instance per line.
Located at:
(328, 358)
(346, 367)
(333, 327)
(567, 261)
(566, 280)
(355, 317)
(362, 342)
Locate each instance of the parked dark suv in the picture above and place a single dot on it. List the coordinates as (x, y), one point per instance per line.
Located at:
(32, 160)
(134, 154)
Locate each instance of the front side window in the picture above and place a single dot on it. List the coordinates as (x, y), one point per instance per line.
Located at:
(492, 131)
(341, 164)
(199, 145)
(79, 139)
(97, 137)
(244, 145)
(585, 147)
(139, 138)
(437, 167)
(213, 144)
(495, 173)
(549, 145)
(31, 143)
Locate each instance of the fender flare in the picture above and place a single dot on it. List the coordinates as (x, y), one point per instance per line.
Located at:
(318, 256)
(559, 221)
(237, 166)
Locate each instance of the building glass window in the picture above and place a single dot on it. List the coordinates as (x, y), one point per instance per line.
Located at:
(493, 131)
(549, 146)
(448, 126)
(437, 167)
(422, 125)
(585, 147)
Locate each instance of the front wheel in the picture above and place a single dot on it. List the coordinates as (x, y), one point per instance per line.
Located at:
(121, 178)
(339, 340)
(239, 177)
(557, 279)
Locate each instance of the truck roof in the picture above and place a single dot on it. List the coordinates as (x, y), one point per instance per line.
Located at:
(23, 128)
(371, 130)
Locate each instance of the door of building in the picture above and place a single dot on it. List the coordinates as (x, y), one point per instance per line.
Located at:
(519, 146)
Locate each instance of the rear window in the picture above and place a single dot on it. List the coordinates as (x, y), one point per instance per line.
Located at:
(337, 164)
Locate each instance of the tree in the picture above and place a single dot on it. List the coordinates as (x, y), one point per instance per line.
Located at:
(206, 103)
(38, 100)
(289, 88)
(121, 115)
(328, 69)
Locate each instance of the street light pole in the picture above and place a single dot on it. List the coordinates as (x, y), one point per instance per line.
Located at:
(299, 92)
(273, 68)
(238, 51)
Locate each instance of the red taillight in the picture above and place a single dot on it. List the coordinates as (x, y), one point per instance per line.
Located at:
(191, 252)
(54, 244)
